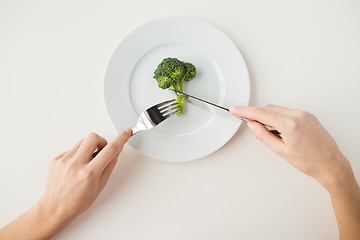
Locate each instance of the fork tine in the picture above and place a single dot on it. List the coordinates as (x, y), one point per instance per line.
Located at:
(171, 110)
(164, 109)
(173, 113)
(164, 104)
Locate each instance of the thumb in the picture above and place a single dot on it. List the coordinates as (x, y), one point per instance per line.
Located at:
(111, 151)
(264, 135)
(121, 139)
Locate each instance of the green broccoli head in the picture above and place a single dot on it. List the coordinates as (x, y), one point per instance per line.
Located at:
(171, 73)
(168, 71)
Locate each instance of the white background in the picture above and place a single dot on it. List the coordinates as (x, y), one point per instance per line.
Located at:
(301, 54)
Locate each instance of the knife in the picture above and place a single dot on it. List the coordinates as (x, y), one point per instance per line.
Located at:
(271, 129)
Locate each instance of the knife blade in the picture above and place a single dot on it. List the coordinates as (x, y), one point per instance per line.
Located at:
(271, 129)
(202, 100)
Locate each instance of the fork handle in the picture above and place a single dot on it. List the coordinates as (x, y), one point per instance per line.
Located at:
(135, 130)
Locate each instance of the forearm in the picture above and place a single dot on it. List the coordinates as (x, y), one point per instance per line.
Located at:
(35, 224)
(345, 197)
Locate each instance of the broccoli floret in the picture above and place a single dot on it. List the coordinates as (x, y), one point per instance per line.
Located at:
(169, 70)
(171, 73)
(190, 71)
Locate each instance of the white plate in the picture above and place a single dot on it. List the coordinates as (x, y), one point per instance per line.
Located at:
(222, 78)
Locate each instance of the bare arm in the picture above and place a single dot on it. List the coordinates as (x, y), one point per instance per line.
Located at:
(309, 147)
(75, 180)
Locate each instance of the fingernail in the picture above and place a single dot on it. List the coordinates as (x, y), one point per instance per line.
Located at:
(250, 125)
(127, 131)
(232, 109)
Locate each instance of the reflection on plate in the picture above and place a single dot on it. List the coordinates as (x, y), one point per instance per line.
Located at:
(222, 78)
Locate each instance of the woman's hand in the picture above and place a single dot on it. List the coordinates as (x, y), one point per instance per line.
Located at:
(305, 143)
(309, 147)
(75, 180)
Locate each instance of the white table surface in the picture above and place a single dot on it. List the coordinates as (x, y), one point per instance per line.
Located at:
(301, 54)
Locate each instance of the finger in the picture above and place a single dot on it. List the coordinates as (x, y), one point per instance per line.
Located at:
(263, 115)
(69, 154)
(90, 144)
(60, 155)
(107, 173)
(75, 148)
(283, 111)
(111, 151)
(268, 138)
(279, 109)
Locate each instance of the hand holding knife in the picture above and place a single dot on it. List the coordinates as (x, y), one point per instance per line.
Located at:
(271, 129)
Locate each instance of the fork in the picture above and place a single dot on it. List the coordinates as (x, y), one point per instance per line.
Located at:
(154, 115)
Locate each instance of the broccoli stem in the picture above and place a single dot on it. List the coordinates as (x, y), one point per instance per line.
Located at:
(179, 99)
(177, 86)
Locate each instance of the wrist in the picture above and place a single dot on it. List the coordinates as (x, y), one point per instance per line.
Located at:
(36, 223)
(49, 218)
(340, 179)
